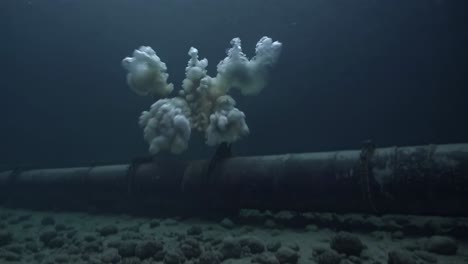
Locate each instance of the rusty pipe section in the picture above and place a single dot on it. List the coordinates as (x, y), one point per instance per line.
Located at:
(430, 179)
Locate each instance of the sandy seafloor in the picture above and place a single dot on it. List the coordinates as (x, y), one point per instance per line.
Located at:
(251, 237)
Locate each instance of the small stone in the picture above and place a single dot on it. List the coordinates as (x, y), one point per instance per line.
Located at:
(318, 250)
(227, 223)
(254, 244)
(194, 231)
(326, 219)
(39, 257)
(426, 256)
(131, 260)
(85, 257)
(392, 226)
(286, 255)
(47, 220)
(147, 249)
(32, 246)
(329, 257)
(252, 216)
(73, 250)
(397, 219)
(373, 223)
(56, 242)
(89, 237)
(400, 257)
(459, 230)
(398, 235)
(230, 248)
(28, 226)
(411, 245)
(71, 234)
(215, 241)
(174, 256)
(61, 258)
(265, 258)
(246, 230)
(22, 218)
(113, 243)
(60, 227)
(28, 239)
(311, 228)
(209, 257)
(269, 223)
(9, 256)
(154, 223)
(110, 256)
(275, 232)
(159, 256)
(127, 248)
(284, 216)
(130, 236)
(170, 222)
(133, 228)
(354, 259)
(108, 230)
(293, 245)
(245, 252)
(90, 247)
(273, 246)
(414, 228)
(4, 216)
(441, 245)
(191, 248)
(5, 237)
(380, 235)
(347, 243)
(15, 248)
(47, 235)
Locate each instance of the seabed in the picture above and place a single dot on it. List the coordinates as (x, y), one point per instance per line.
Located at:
(250, 237)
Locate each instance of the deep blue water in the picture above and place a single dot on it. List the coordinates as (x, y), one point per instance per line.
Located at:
(391, 71)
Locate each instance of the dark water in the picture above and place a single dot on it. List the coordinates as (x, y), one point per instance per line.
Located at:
(392, 71)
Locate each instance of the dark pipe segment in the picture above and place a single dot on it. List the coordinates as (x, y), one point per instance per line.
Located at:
(430, 179)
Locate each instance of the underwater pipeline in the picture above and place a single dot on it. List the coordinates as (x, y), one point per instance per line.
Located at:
(430, 179)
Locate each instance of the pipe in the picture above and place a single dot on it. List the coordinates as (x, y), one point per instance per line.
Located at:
(430, 179)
